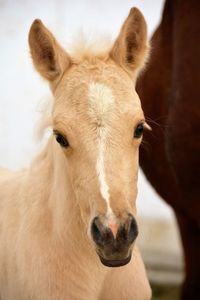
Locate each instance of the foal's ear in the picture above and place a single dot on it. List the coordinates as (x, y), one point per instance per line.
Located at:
(48, 56)
(130, 49)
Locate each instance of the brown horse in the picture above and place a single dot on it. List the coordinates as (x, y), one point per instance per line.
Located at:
(169, 91)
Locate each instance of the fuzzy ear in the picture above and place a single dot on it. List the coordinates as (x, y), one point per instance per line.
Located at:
(130, 49)
(48, 56)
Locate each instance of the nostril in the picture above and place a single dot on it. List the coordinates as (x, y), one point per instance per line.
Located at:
(95, 231)
(133, 230)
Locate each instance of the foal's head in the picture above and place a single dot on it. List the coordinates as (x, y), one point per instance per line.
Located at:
(98, 123)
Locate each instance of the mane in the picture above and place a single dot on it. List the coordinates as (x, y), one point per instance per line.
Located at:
(91, 48)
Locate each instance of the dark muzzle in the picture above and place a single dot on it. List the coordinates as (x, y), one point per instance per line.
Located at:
(114, 251)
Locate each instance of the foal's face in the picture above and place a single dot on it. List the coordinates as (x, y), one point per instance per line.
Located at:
(98, 116)
(98, 122)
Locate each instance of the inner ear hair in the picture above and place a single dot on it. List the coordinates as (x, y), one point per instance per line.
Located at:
(48, 56)
(130, 49)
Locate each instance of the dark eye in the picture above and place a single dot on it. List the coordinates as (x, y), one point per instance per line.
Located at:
(61, 139)
(139, 131)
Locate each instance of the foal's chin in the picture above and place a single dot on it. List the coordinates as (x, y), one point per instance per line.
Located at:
(113, 263)
(112, 257)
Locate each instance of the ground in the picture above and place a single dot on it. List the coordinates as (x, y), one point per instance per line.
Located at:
(167, 292)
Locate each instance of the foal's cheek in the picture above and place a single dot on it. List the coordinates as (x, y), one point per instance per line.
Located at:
(85, 215)
(132, 201)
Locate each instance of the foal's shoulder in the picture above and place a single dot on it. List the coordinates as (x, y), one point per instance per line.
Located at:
(4, 171)
(6, 174)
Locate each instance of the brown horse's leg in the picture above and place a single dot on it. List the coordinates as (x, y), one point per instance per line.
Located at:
(190, 234)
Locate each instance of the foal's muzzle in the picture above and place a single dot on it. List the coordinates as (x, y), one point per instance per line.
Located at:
(114, 251)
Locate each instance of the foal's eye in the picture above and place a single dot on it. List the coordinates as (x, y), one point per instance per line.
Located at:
(139, 131)
(61, 139)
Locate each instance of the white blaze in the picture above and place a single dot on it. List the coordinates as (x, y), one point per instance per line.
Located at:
(104, 189)
(101, 102)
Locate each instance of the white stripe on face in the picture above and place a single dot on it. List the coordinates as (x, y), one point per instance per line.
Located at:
(101, 102)
(104, 189)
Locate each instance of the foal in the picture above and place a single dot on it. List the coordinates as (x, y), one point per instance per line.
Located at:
(71, 215)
